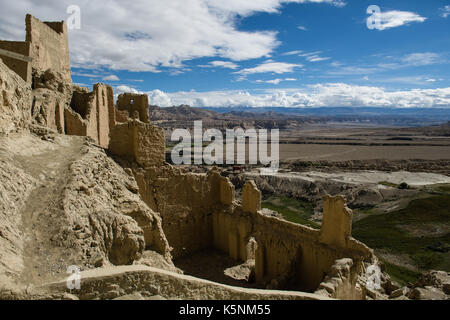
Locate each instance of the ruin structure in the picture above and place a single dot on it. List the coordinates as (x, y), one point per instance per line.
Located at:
(196, 211)
(46, 46)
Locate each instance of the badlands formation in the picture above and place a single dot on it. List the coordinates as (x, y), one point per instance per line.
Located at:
(84, 183)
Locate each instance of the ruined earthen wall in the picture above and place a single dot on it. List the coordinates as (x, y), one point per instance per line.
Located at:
(91, 114)
(199, 211)
(111, 108)
(135, 104)
(186, 203)
(74, 124)
(15, 100)
(49, 46)
(287, 254)
(22, 68)
(104, 101)
(342, 281)
(138, 141)
(285, 251)
(336, 222)
(121, 116)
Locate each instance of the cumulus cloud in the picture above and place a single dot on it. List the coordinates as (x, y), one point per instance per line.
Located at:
(272, 67)
(124, 89)
(145, 35)
(112, 77)
(303, 28)
(245, 8)
(320, 95)
(395, 18)
(224, 64)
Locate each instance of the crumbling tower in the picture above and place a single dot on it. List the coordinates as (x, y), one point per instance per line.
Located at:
(46, 46)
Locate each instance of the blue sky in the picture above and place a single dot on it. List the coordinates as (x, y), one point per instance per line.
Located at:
(292, 53)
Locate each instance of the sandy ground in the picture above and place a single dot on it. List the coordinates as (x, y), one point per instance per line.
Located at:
(215, 266)
(311, 152)
(370, 177)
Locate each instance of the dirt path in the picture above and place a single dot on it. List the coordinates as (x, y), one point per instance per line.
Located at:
(213, 265)
(41, 212)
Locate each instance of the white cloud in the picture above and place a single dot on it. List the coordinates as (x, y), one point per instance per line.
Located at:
(303, 28)
(271, 66)
(320, 95)
(86, 75)
(421, 59)
(111, 78)
(314, 56)
(445, 11)
(159, 98)
(276, 81)
(292, 53)
(224, 64)
(145, 35)
(416, 59)
(245, 8)
(411, 80)
(318, 59)
(123, 89)
(395, 18)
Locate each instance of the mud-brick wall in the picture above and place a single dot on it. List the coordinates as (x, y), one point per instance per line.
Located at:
(51, 109)
(81, 119)
(22, 68)
(134, 103)
(291, 254)
(49, 45)
(186, 203)
(15, 100)
(104, 102)
(138, 141)
(91, 114)
(288, 255)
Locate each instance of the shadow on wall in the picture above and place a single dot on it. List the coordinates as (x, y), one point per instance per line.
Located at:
(200, 212)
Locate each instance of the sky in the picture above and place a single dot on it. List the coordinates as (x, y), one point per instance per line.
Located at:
(256, 53)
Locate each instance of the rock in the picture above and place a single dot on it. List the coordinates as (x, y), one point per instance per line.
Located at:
(433, 278)
(15, 101)
(68, 296)
(389, 286)
(399, 292)
(372, 293)
(427, 293)
(132, 296)
(446, 288)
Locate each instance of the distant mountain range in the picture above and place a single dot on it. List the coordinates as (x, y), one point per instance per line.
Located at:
(432, 113)
(364, 115)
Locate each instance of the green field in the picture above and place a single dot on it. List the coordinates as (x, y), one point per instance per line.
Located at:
(293, 210)
(401, 232)
(400, 274)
